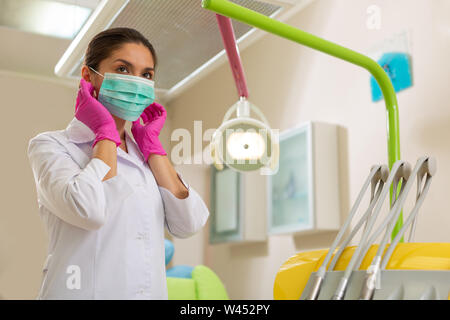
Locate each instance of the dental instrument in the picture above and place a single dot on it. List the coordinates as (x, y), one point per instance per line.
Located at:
(400, 170)
(378, 175)
(424, 166)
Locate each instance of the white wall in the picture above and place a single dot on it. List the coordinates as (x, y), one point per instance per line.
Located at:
(293, 84)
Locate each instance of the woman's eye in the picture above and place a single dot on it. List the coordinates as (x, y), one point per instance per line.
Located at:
(148, 75)
(122, 69)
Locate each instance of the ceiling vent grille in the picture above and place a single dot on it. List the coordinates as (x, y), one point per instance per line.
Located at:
(185, 36)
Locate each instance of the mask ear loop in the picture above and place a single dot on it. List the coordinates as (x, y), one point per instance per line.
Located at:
(96, 72)
(95, 92)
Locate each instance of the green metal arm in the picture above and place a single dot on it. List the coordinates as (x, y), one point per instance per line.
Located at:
(255, 19)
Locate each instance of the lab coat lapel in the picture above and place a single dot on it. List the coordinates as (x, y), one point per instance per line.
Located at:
(133, 155)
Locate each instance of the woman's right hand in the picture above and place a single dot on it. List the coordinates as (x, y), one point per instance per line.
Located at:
(94, 115)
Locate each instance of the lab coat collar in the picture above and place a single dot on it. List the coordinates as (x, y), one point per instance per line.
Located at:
(78, 132)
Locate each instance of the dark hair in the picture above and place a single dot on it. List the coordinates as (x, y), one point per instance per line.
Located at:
(105, 42)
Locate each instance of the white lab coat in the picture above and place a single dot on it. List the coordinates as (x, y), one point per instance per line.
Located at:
(106, 238)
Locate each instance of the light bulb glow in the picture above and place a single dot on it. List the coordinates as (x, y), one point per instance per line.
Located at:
(246, 145)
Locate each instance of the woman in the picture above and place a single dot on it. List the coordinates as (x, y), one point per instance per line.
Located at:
(103, 196)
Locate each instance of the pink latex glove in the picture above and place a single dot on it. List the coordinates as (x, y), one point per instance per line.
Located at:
(146, 135)
(94, 115)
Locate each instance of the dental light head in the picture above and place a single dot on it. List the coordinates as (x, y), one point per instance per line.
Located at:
(245, 143)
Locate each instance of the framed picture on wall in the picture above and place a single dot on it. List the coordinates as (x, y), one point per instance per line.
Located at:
(303, 196)
(226, 205)
(290, 189)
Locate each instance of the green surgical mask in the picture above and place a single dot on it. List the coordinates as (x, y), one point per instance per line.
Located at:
(125, 96)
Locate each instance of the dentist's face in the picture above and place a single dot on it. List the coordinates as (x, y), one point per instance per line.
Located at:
(131, 58)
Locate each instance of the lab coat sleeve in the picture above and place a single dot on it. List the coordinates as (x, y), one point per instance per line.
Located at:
(184, 217)
(74, 194)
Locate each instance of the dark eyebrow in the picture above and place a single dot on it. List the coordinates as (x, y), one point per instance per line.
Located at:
(131, 65)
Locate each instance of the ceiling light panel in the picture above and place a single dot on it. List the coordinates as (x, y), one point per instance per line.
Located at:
(52, 18)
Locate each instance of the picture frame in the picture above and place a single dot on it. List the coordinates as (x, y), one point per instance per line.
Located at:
(290, 192)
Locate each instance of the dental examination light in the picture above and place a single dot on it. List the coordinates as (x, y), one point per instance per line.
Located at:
(257, 20)
(242, 143)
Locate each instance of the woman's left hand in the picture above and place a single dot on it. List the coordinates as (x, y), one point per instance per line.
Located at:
(146, 135)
